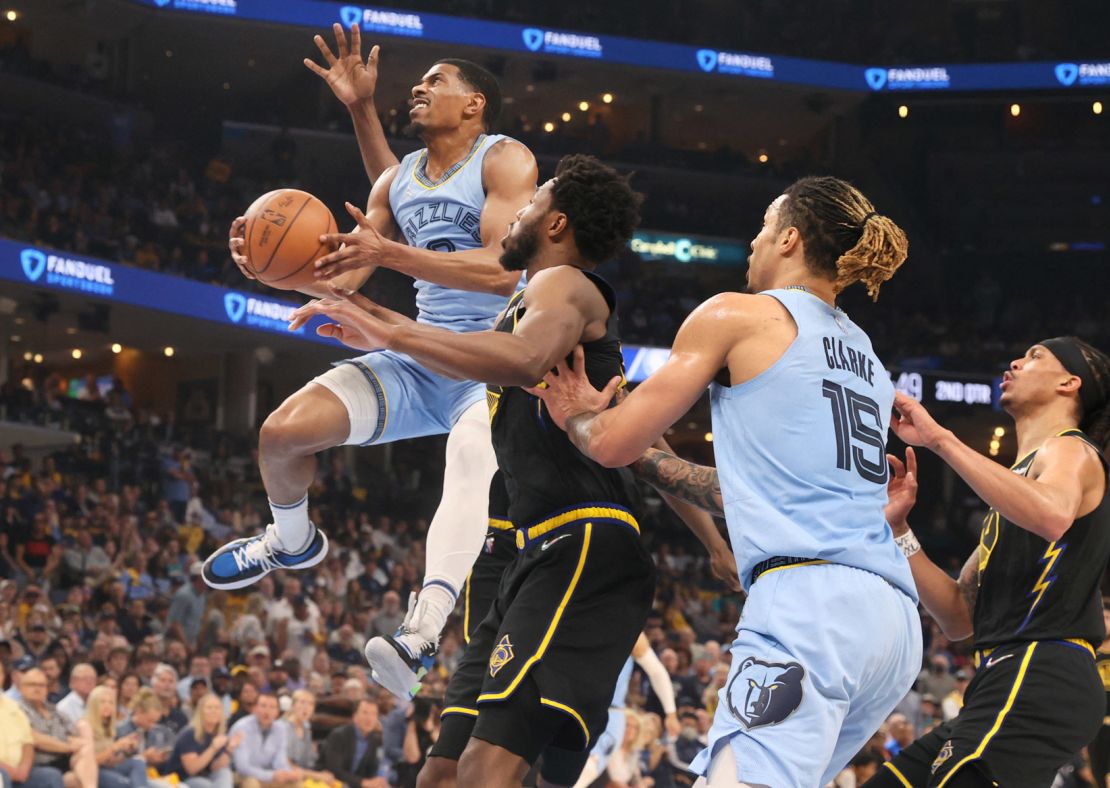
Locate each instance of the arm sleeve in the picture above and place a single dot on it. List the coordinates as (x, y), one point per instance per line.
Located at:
(660, 682)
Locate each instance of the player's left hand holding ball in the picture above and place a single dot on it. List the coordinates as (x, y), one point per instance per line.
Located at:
(366, 248)
(237, 244)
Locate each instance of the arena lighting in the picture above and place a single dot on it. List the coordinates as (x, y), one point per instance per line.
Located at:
(117, 347)
(38, 358)
(709, 437)
(999, 432)
(549, 127)
(1015, 110)
(763, 158)
(76, 353)
(566, 117)
(607, 98)
(583, 105)
(168, 351)
(903, 111)
(1097, 108)
(11, 16)
(16, 338)
(28, 356)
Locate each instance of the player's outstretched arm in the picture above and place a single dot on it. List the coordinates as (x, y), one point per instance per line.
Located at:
(660, 681)
(561, 304)
(354, 82)
(1066, 476)
(617, 436)
(509, 175)
(950, 602)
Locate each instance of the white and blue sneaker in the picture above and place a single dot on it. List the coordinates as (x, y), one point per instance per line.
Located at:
(246, 561)
(399, 661)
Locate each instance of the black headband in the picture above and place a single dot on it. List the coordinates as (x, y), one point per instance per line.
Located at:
(1067, 352)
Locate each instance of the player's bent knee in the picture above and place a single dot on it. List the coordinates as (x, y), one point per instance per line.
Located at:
(438, 773)
(309, 421)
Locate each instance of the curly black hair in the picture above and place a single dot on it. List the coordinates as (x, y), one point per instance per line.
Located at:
(481, 81)
(601, 207)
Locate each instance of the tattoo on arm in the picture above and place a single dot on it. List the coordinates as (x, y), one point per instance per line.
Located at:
(698, 484)
(969, 581)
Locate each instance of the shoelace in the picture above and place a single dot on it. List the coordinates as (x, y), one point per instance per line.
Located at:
(259, 552)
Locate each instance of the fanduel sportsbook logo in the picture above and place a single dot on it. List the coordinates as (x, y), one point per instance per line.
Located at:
(66, 272)
(533, 38)
(258, 313)
(555, 43)
(34, 263)
(710, 60)
(389, 22)
(934, 78)
(235, 306)
(1068, 74)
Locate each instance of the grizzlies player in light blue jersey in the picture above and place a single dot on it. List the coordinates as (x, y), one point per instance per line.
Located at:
(829, 640)
(438, 216)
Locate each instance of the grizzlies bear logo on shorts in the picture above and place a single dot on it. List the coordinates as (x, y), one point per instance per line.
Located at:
(763, 693)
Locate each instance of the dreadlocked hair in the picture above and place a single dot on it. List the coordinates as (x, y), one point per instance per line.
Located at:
(1097, 423)
(601, 207)
(843, 235)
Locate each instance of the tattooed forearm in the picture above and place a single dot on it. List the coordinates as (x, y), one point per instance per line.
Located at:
(697, 484)
(578, 430)
(969, 582)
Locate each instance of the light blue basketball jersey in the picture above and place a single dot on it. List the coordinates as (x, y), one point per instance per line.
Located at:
(445, 216)
(621, 692)
(801, 450)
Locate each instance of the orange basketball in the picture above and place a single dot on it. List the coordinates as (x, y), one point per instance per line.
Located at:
(283, 237)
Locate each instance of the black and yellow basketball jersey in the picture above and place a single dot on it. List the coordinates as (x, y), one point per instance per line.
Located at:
(544, 472)
(1032, 589)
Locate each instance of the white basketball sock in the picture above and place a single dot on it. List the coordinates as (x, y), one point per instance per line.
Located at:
(458, 529)
(293, 528)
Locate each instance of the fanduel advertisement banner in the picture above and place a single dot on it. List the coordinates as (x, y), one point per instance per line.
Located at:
(377, 21)
(100, 280)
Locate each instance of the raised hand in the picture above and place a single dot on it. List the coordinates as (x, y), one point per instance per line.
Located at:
(363, 249)
(350, 78)
(568, 392)
(901, 491)
(237, 244)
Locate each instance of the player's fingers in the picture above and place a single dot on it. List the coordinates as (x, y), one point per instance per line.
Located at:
(316, 68)
(611, 388)
(340, 39)
(356, 41)
(335, 239)
(561, 368)
(579, 360)
(896, 464)
(538, 391)
(325, 50)
(375, 51)
(911, 461)
(358, 216)
(327, 330)
(238, 227)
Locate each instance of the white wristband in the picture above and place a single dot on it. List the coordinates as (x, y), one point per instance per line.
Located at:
(908, 544)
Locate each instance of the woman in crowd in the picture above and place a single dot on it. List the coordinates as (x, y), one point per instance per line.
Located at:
(116, 767)
(129, 686)
(202, 753)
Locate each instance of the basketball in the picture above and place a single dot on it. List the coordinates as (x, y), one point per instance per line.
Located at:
(283, 237)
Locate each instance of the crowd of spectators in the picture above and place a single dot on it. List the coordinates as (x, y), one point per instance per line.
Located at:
(133, 671)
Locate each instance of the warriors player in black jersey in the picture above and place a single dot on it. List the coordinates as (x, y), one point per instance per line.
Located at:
(1029, 594)
(572, 605)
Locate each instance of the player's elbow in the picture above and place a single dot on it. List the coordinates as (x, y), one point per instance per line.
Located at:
(1055, 525)
(610, 453)
(958, 632)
